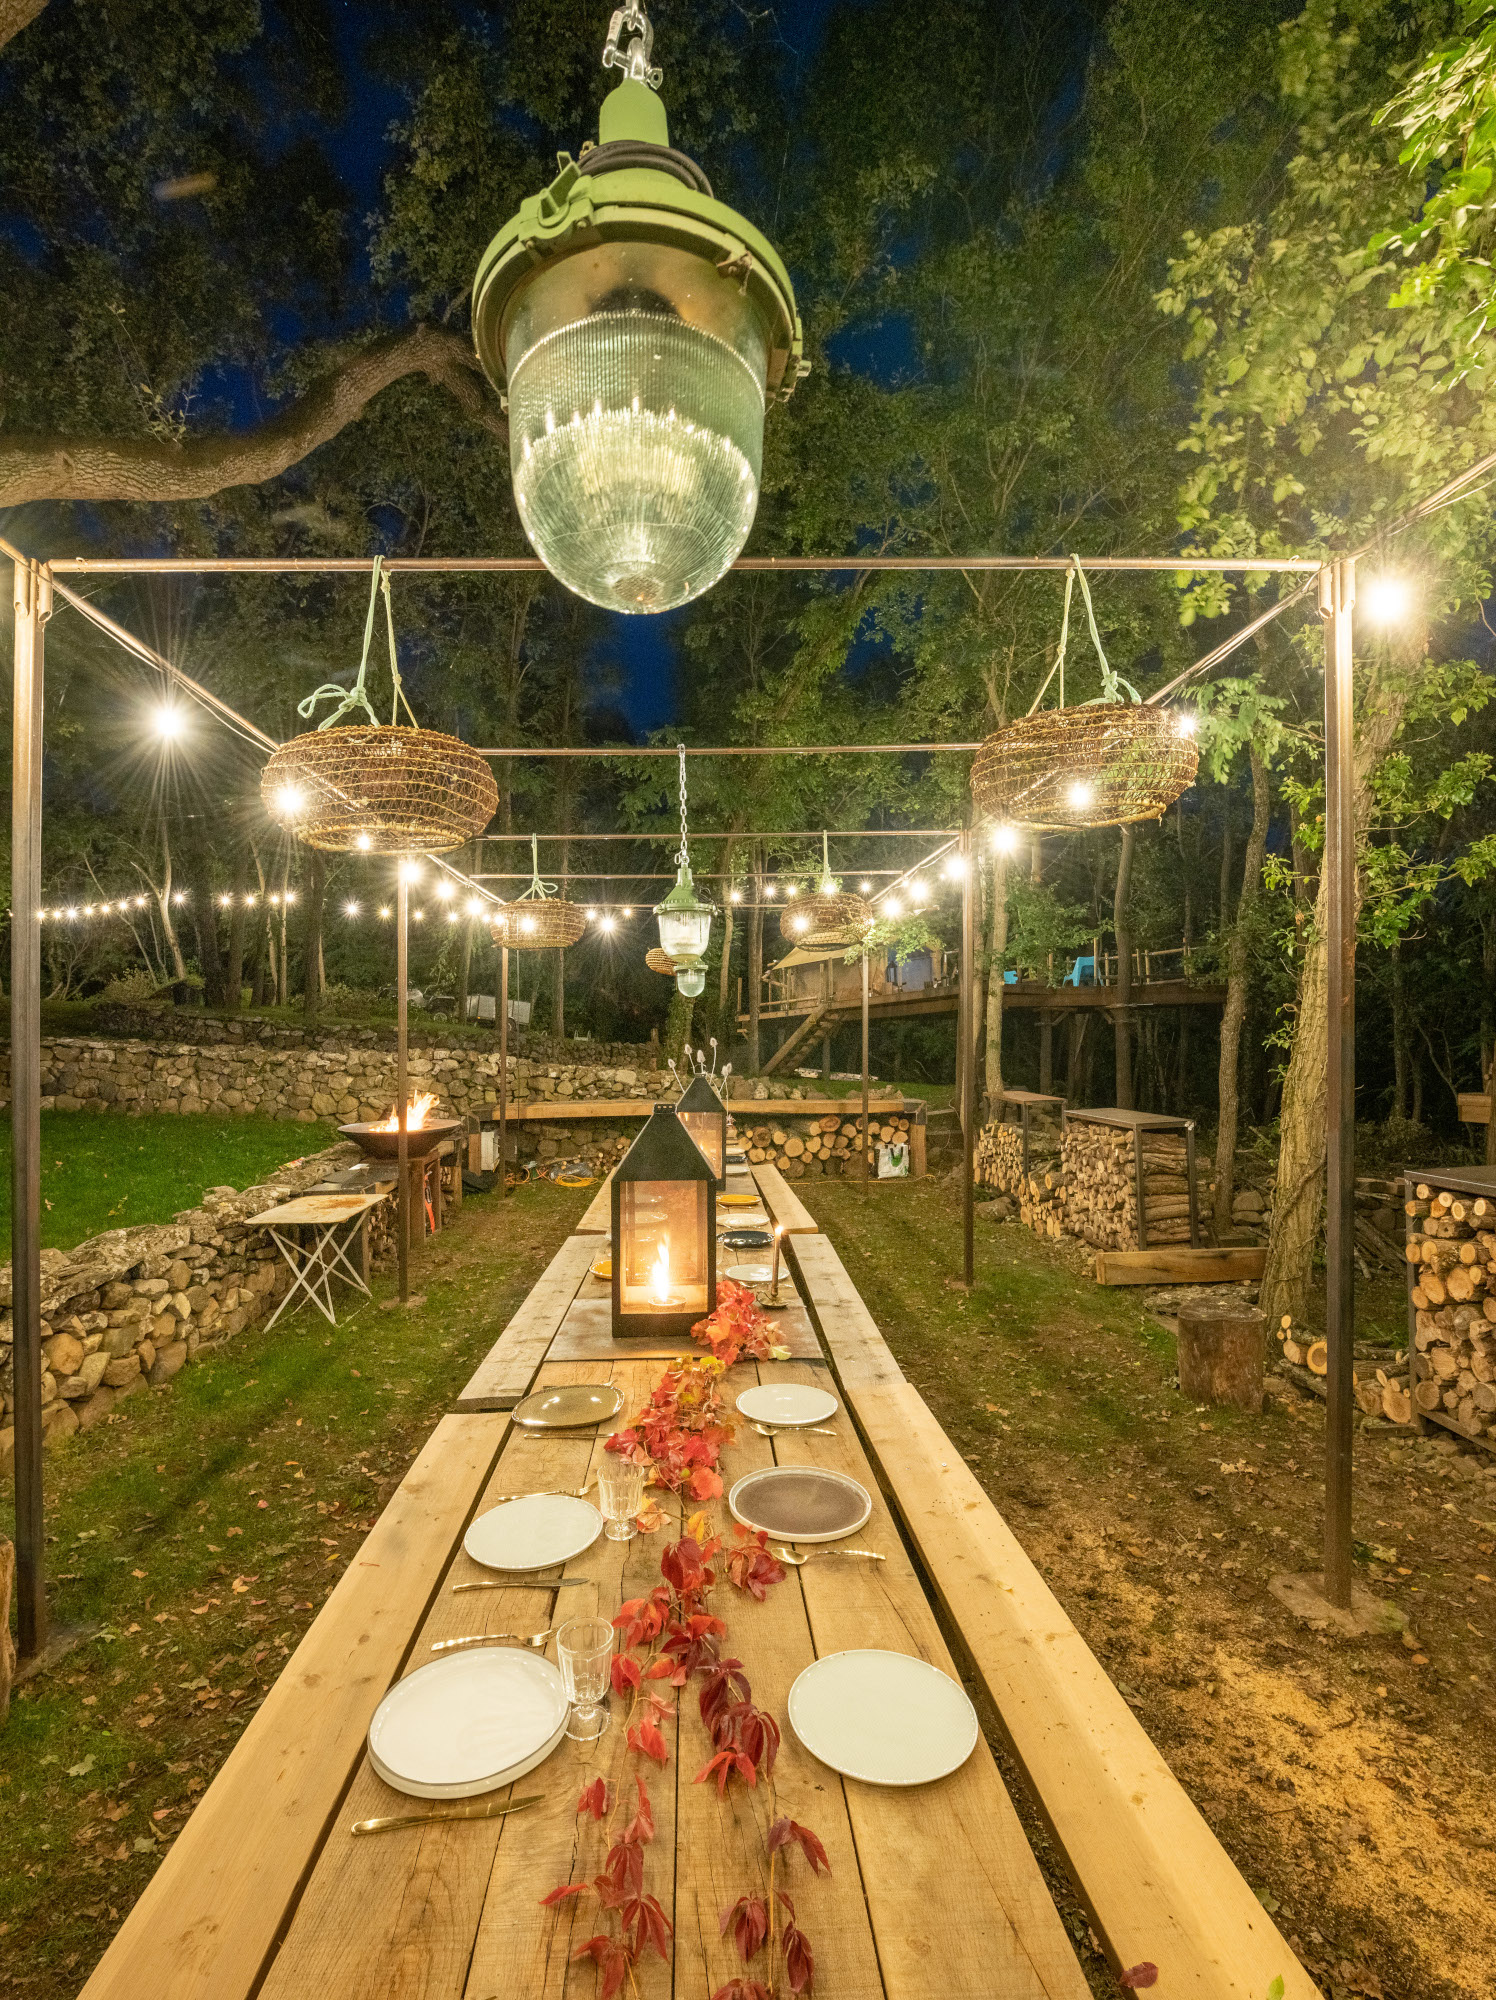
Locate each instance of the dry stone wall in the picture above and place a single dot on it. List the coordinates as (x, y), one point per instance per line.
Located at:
(131, 1307)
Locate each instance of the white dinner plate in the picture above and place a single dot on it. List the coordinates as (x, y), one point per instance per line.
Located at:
(468, 1724)
(801, 1503)
(887, 1718)
(533, 1533)
(788, 1403)
(751, 1274)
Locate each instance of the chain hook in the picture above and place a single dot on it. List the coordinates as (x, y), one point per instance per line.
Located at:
(633, 61)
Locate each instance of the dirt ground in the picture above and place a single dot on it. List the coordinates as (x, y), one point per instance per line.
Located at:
(1351, 1780)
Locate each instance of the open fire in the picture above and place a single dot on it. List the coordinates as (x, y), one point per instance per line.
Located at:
(415, 1117)
(659, 1277)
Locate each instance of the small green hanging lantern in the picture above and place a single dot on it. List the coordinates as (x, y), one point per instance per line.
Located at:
(637, 328)
(685, 921)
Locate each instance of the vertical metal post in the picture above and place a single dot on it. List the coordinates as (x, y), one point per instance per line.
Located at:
(402, 1070)
(503, 1071)
(866, 1170)
(33, 606)
(967, 1063)
(1337, 594)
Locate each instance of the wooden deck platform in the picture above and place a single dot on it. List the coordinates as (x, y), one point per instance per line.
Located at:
(934, 1893)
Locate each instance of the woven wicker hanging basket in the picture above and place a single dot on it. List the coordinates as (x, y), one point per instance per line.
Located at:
(380, 791)
(1105, 764)
(834, 916)
(659, 961)
(540, 923)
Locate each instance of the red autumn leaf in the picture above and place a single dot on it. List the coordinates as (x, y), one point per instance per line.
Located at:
(748, 1920)
(741, 1989)
(647, 1924)
(704, 1484)
(560, 1895)
(625, 1673)
(799, 1959)
(647, 1740)
(641, 1827)
(1144, 1973)
(611, 1958)
(622, 1876)
(665, 1669)
(785, 1830)
(594, 1798)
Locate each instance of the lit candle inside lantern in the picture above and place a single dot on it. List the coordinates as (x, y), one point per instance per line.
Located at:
(660, 1276)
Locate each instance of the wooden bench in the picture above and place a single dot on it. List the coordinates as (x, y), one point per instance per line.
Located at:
(505, 1373)
(784, 1205)
(598, 1221)
(210, 1918)
(1159, 1885)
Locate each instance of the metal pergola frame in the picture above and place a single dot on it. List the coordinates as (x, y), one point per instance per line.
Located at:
(36, 589)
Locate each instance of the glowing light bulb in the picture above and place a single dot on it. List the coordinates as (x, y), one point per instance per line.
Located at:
(864, 888)
(290, 895)
(891, 907)
(769, 889)
(410, 871)
(475, 906)
(1005, 839)
(629, 912)
(180, 896)
(955, 868)
(793, 889)
(170, 722)
(445, 891)
(918, 891)
(1187, 722)
(418, 916)
(527, 925)
(384, 910)
(72, 912)
(735, 896)
(451, 916)
(1079, 795)
(350, 909)
(591, 916)
(1386, 599)
(800, 924)
(608, 923)
(289, 801)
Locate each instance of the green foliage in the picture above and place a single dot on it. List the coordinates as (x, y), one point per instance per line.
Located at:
(1042, 928)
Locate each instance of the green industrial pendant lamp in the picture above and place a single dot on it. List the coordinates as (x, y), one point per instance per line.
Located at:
(637, 328)
(685, 921)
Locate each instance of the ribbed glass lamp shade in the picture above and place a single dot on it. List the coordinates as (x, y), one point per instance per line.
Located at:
(684, 933)
(636, 433)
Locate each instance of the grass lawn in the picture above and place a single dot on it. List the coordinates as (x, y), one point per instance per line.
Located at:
(1351, 1781)
(201, 1527)
(111, 1172)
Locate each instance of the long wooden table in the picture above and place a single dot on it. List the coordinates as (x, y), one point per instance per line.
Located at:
(934, 1893)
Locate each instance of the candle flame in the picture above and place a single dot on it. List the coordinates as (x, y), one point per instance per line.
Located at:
(660, 1275)
(415, 1116)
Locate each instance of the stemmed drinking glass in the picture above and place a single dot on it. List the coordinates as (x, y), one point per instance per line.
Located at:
(620, 1488)
(584, 1651)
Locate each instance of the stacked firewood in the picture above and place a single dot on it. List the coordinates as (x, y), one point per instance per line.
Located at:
(1041, 1201)
(1101, 1202)
(812, 1146)
(1379, 1390)
(1452, 1249)
(999, 1158)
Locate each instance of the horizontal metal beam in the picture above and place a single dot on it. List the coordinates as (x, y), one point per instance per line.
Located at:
(853, 565)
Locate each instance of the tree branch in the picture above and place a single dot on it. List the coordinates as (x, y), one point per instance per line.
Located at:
(155, 469)
(15, 15)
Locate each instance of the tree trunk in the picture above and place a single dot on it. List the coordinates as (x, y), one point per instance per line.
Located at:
(205, 923)
(1299, 1193)
(558, 998)
(725, 1015)
(755, 962)
(233, 973)
(316, 887)
(1236, 994)
(997, 948)
(1399, 1034)
(464, 968)
(1121, 1020)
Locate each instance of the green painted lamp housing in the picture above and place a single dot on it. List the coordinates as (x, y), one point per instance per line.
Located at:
(685, 931)
(637, 328)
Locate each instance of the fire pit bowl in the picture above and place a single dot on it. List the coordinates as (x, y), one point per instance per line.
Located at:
(379, 1143)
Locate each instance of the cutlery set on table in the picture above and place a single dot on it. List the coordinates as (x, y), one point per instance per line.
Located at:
(489, 1707)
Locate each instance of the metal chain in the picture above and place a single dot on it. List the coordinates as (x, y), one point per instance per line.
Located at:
(633, 61)
(684, 856)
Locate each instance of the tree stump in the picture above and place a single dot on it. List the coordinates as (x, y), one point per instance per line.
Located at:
(1222, 1350)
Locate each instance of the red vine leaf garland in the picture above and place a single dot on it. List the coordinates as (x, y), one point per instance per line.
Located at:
(681, 1430)
(749, 1564)
(641, 1923)
(738, 1327)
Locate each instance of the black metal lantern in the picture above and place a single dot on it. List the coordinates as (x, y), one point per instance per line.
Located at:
(664, 1233)
(704, 1116)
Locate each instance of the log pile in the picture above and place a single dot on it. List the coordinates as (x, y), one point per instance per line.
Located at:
(1041, 1201)
(1100, 1179)
(1451, 1251)
(999, 1158)
(802, 1147)
(1379, 1391)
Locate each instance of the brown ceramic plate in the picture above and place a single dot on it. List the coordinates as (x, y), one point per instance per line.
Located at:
(801, 1503)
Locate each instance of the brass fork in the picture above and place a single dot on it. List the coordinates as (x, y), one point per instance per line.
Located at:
(533, 1639)
(799, 1561)
(550, 1493)
(388, 1823)
(794, 1430)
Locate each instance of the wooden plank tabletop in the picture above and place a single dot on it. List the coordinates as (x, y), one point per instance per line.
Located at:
(934, 1893)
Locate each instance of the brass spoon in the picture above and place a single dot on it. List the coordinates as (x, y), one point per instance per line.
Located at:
(799, 1561)
(533, 1639)
(390, 1822)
